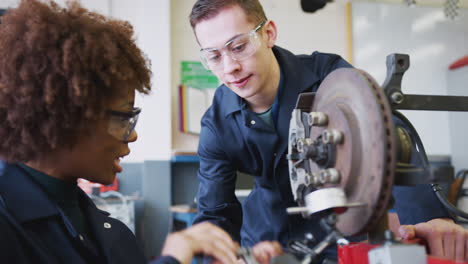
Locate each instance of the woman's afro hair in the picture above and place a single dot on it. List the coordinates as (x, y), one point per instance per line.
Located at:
(59, 67)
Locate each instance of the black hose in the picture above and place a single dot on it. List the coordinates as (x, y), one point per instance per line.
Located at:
(435, 187)
(454, 210)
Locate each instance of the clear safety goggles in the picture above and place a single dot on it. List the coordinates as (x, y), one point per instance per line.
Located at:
(122, 124)
(238, 48)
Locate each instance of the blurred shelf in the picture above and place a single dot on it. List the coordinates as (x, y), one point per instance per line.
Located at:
(185, 159)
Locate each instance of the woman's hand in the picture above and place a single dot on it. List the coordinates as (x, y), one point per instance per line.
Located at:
(204, 238)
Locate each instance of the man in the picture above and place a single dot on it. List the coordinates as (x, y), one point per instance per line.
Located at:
(246, 129)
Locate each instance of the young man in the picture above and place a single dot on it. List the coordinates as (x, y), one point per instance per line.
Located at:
(68, 79)
(246, 129)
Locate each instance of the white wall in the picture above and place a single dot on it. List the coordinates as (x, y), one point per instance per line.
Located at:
(432, 42)
(151, 21)
(303, 33)
(457, 81)
(8, 3)
(297, 31)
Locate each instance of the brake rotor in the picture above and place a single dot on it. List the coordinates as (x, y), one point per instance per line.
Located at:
(357, 106)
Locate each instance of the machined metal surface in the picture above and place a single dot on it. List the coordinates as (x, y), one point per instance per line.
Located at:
(365, 154)
(398, 254)
(356, 105)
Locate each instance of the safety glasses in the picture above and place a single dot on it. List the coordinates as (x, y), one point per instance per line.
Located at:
(239, 48)
(122, 124)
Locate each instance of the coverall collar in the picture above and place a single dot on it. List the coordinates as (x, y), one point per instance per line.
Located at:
(25, 198)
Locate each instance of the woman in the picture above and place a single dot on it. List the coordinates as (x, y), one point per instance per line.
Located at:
(67, 85)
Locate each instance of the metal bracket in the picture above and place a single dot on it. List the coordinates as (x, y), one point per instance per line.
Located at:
(305, 101)
(397, 64)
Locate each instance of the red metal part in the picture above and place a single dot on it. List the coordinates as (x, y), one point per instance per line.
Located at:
(356, 253)
(463, 62)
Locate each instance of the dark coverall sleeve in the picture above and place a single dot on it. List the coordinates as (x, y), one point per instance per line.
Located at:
(165, 260)
(216, 199)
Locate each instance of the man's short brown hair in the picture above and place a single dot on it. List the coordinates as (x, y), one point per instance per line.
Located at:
(59, 68)
(206, 9)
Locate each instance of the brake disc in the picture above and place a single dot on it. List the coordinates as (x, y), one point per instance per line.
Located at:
(357, 107)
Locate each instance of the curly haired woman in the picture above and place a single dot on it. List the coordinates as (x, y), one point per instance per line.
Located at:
(67, 85)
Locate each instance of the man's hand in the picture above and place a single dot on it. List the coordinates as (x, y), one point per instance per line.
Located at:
(266, 250)
(204, 238)
(445, 238)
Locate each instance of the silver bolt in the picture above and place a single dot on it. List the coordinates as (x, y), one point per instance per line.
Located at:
(309, 237)
(300, 145)
(397, 97)
(307, 178)
(303, 143)
(317, 119)
(332, 136)
(329, 176)
(315, 178)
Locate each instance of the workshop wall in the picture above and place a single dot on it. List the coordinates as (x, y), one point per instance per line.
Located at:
(151, 21)
(433, 43)
(457, 81)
